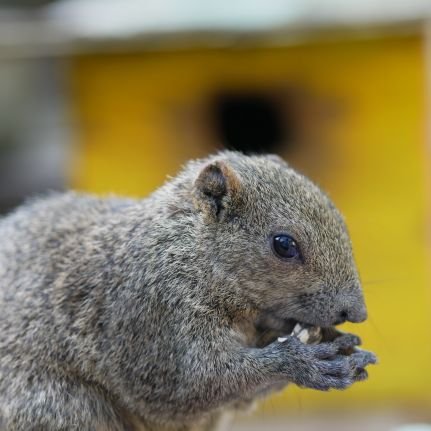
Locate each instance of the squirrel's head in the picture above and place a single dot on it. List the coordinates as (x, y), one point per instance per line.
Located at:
(277, 239)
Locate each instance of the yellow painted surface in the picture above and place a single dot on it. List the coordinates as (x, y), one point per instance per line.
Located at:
(133, 113)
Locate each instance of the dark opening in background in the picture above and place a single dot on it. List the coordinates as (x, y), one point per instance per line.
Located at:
(251, 123)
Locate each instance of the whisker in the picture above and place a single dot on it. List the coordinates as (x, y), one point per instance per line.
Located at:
(376, 285)
(380, 335)
(299, 401)
(379, 281)
(388, 280)
(272, 406)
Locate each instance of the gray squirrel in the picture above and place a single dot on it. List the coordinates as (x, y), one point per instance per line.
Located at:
(120, 314)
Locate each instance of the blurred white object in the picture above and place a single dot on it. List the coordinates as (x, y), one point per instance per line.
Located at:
(413, 427)
(35, 132)
(132, 17)
(73, 25)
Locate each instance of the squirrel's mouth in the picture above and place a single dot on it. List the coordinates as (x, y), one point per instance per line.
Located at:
(289, 324)
(269, 328)
(272, 322)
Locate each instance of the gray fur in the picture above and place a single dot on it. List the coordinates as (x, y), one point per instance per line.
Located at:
(120, 314)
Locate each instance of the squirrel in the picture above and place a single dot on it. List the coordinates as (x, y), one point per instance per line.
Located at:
(149, 314)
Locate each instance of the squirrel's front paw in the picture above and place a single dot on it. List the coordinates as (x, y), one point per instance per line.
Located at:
(322, 366)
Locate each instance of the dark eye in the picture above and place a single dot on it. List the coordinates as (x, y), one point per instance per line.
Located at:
(285, 246)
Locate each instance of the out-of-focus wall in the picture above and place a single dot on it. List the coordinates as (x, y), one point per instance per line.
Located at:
(34, 138)
(140, 116)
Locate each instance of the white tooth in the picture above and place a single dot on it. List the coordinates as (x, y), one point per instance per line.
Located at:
(297, 329)
(281, 339)
(304, 336)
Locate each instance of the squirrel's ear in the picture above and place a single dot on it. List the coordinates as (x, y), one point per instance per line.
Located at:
(216, 189)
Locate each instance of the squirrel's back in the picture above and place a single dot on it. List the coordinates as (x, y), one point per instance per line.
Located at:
(45, 227)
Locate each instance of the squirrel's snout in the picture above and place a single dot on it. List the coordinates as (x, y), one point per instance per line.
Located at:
(355, 314)
(352, 306)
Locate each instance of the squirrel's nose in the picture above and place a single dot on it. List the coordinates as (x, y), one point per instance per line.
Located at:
(353, 314)
(342, 317)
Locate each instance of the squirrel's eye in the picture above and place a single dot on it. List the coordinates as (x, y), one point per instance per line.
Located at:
(285, 246)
